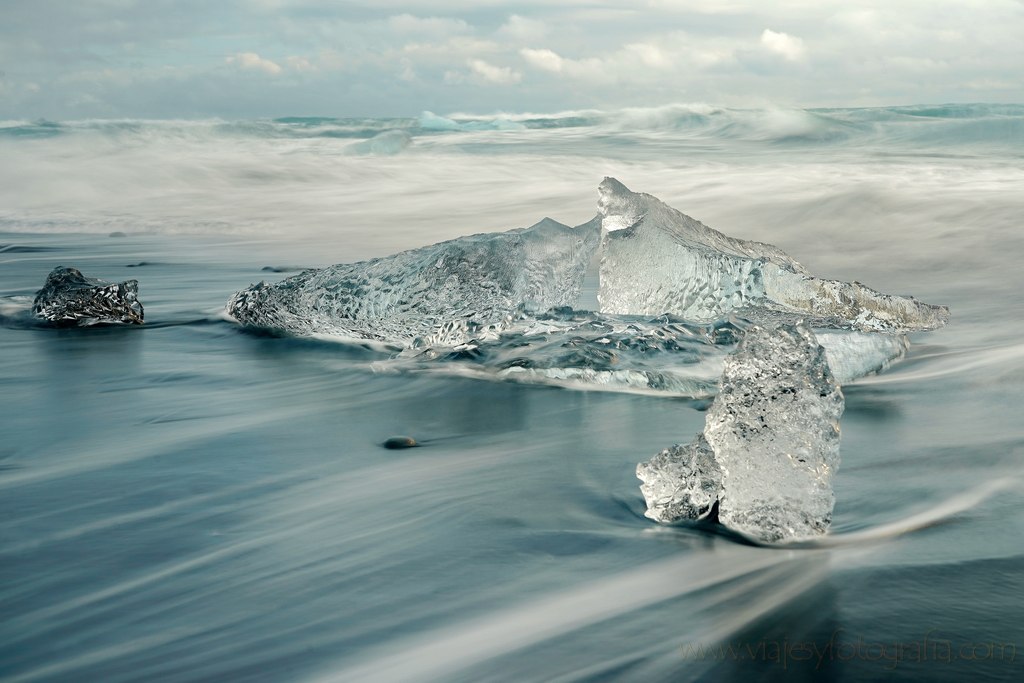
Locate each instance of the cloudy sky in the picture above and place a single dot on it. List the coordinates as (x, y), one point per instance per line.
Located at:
(65, 59)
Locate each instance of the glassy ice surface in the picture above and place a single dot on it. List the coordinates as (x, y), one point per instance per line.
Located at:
(774, 429)
(587, 350)
(655, 260)
(69, 298)
(441, 294)
(582, 349)
(681, 482)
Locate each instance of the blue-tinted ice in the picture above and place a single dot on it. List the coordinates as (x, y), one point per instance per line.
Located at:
(675, 295)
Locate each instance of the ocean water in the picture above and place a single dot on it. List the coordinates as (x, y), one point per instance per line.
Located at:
(191, 501)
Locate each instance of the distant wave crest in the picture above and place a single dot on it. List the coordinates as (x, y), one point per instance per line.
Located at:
(951, 124)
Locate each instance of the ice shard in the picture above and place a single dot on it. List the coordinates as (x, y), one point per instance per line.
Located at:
(441, 294)
(681, 482)
(69, 298)
(655, 260)
(772, 434)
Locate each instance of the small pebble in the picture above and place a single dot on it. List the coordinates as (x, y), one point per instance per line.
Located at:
(396, 442)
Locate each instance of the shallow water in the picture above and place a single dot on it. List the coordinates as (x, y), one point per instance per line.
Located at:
(191, 501)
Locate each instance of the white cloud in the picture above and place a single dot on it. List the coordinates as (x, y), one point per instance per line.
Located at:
(650, 55)
(523, 30)
(545, 59)
(591, 69)
(252, 61)
(712, 56)
(500, 75)
(789, 47)
(671, 56)
(459, 47)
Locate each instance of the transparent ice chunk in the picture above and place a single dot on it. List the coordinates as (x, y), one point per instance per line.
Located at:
(69, 298)
(773, 435)
(681, 482)
(442, 294)
(774, 429)
(655, 260)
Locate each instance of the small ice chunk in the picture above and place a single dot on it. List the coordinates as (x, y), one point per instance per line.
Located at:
(774, 429)
(655, 260)
(442, 294)
(681, 482)
(69, 298)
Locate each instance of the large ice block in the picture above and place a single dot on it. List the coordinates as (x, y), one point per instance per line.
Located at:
(655, 260)
(442, 294)
(69, 298)
(774, 429)
(770, 445)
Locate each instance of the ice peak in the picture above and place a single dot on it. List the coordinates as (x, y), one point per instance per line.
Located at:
(610, 186)
(548, 223)
(619, 207)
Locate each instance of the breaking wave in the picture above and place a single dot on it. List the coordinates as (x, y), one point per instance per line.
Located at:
(960, 124)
